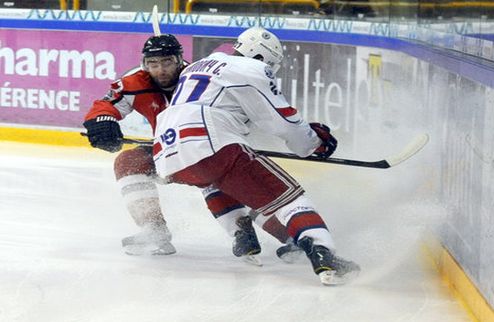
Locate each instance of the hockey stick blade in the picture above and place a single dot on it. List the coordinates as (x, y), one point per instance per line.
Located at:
(155, 21)
(410, 150)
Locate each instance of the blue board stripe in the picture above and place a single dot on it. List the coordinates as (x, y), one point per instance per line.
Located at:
(465, 65)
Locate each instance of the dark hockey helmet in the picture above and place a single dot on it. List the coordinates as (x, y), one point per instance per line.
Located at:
(163, 45)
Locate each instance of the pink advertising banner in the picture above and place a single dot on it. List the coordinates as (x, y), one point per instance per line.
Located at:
(51, 78)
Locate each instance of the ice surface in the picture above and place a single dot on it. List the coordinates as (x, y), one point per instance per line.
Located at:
(61, 221)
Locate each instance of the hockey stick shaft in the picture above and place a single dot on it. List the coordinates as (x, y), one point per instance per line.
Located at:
(411, 149)
(130, 141)
(382, 164)
(155, 21)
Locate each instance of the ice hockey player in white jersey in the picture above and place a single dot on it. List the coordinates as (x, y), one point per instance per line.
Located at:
(202, 140)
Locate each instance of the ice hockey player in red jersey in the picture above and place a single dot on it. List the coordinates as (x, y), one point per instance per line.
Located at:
(202, 140)
(148, 90)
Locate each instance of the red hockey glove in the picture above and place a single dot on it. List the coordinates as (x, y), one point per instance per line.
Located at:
(329, 143)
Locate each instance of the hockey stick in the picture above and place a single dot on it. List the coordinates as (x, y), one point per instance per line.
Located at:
(130, 141)
(410, 150)
(155, 21)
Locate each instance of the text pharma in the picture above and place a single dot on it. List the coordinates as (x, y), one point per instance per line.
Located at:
(68, 63)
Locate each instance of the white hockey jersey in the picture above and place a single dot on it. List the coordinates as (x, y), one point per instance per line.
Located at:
(216, 100)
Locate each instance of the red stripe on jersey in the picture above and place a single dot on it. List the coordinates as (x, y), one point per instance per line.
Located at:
(219, 202)
(101, 107)
(302, 221)
(157, 148)
(193, 131)
(287, 111)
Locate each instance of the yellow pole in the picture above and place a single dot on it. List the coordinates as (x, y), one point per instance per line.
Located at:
(63, 4)
(77, 4)
(188, 6)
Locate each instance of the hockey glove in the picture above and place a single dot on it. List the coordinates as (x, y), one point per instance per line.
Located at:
(104, 133)
(329, 143)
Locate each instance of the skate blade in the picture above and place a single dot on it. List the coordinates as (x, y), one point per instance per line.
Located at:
(252, 260)
(330, 278)
(139, 250)
(291, 257)
(134, 250)
(164, 250)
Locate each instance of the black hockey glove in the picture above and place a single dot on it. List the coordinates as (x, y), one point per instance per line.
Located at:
(329, 143)
(104, 133)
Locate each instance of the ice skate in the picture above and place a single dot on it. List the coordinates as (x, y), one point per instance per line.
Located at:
(154, 239)
(289, 253)
(332, 270)
(246, 245)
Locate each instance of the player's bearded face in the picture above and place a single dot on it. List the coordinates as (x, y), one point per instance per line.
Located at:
(163, 69)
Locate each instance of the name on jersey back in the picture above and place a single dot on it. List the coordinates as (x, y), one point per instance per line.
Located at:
(207, 65)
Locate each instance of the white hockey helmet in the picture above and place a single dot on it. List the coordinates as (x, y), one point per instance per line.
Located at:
(257, 42)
